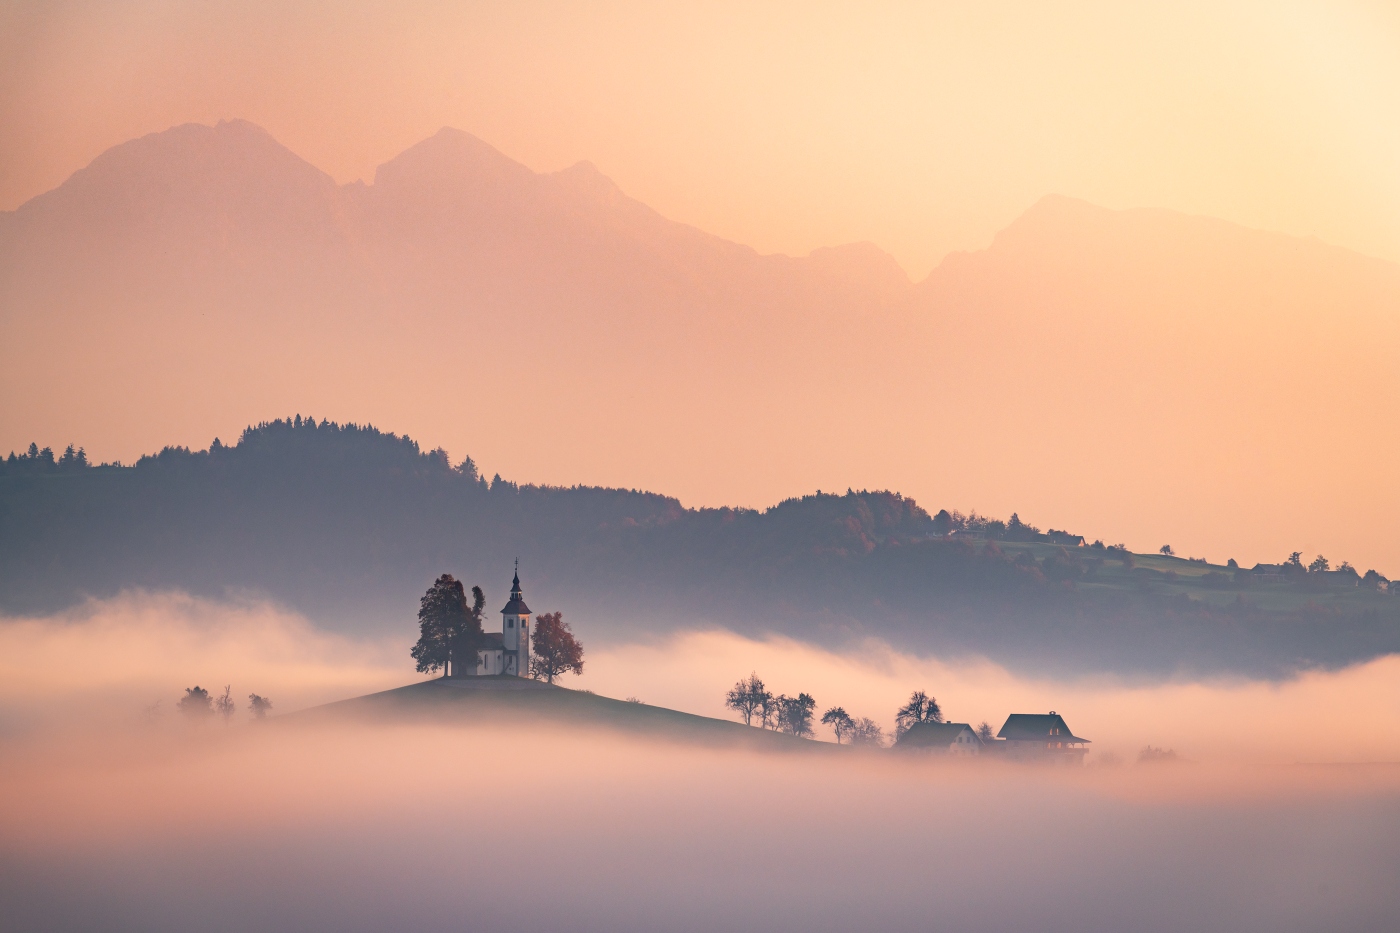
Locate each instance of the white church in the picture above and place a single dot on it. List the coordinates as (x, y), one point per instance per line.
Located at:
(508, 651)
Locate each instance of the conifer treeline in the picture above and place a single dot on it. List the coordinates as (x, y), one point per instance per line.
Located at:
(348, 523)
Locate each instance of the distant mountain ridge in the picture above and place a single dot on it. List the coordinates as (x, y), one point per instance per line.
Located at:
(562, 330)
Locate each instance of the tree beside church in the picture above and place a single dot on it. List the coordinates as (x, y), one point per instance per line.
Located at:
(449, 631)
(451, 638)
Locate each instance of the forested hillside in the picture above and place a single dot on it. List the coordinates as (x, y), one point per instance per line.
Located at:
(348, 524)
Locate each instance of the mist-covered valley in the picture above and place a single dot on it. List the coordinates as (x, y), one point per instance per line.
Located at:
(283, 825)
(1279, 811)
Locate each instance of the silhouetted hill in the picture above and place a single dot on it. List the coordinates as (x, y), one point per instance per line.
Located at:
(497, 701)
(350, 524)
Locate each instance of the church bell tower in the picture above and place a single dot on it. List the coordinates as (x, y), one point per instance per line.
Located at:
(515, 631)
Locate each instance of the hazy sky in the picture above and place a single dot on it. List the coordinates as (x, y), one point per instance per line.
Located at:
(924, 127)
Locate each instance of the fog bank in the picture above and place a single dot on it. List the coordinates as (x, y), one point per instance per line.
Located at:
(371, 828)
(114, 817)
(1351, 715)
(115, 660)
(129, 659)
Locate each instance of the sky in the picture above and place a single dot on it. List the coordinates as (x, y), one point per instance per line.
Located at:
(922, 127)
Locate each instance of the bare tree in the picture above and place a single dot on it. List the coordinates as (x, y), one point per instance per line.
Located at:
(258, 706)
(767, 709)
(840, 722)
(746, 696)
(223, 704)
(984, 731)
(920, 708)
(867, 731)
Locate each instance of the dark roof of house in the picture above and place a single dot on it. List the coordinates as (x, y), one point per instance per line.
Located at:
(516, 606)
(1037, 727)
(933, 734)
(492, 641)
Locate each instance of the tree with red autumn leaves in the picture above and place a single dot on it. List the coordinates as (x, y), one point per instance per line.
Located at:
(554, 649)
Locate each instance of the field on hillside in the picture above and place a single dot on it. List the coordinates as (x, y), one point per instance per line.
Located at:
(1215, 585)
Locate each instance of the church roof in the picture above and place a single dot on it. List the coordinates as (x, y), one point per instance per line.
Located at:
(516, 606)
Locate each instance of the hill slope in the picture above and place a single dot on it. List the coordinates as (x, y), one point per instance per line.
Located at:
(507, 701)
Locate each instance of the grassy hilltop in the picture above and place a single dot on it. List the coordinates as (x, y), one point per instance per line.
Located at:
(507, 699)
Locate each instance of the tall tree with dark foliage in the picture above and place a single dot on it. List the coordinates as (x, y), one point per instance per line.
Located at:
(795, 714)
(450, 634)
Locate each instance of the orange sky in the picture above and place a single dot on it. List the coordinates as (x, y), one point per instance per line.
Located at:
(923, 127)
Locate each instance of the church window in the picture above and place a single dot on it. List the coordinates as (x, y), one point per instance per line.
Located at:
(510, 623)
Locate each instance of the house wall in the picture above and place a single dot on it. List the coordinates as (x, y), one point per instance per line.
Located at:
(1045, 751)
(965, 744)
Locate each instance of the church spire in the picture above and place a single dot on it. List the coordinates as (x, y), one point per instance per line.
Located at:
(516, 605)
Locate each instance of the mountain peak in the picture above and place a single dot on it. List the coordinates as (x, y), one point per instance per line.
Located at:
(189, 163)
(863, 264)
(454, 154)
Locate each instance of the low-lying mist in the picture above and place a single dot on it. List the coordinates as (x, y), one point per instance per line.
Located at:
(290, 826)
(130, 658)
(117, 815)
(1351, 715)
(110, 661)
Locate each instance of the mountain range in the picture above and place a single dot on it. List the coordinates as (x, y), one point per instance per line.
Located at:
(1139, 372)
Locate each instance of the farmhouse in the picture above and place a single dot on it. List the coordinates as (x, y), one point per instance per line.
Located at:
(1033, 736)
(947, 738)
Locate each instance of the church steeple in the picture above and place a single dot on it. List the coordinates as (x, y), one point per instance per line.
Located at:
(516, 605)
(515, 629)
